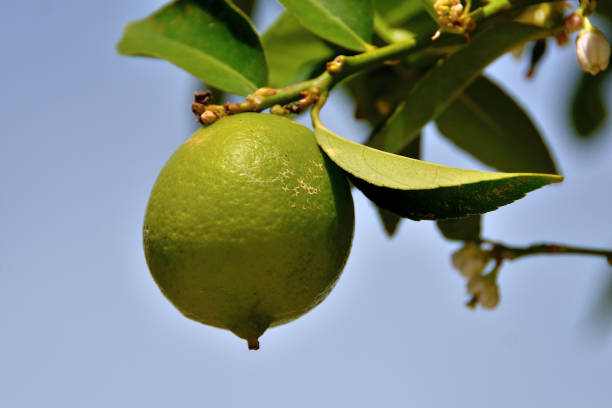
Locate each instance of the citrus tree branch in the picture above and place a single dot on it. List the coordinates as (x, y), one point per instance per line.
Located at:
(297, 97)
(501, 251)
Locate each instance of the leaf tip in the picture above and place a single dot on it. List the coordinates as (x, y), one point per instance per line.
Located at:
(122, 45)
(555, 178)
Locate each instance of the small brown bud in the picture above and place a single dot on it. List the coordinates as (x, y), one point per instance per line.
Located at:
(208, 117)
(335, 65)
(198, 108)
(265, 91)
(279, 110)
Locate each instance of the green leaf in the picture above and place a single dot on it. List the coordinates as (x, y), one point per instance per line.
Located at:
(589, 109)
(487, 123)
(604, 8)
(292, 51)
(395, 22)
(246, 6)
(391, 220)
(461, 229)
(600, 316)
(344, 22)
(211, 39)
(429, 6)
(419, 190)
(396, 13)
(376, 93)
(447, 80)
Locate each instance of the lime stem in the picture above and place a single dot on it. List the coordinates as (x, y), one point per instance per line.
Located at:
(253, 343)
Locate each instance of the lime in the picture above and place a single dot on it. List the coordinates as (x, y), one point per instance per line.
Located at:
(249, 224)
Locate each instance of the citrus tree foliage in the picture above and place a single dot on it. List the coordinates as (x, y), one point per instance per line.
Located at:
(405, 63)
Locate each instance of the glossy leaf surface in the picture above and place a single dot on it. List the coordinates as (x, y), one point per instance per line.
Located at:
(347, 23)
(447, 80)
(487, 123)
(420, 190)
(378, 92)
(389, 219)
(292, 51)
(398, 12)
(211, 39)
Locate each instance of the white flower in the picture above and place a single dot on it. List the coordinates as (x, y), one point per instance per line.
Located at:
(470, 260)
(489, 297)
(592, 50)
(536, 15)
(476, 285)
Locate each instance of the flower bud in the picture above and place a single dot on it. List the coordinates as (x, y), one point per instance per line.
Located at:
(489, 297)
(208, 117)
(279, 110)
(536, 15)
(448, 11)
(592, 50)
(470, 260)
(477, 285)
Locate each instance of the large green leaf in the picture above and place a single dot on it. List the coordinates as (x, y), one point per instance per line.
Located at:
(398, 12)
(487, 123)
(292, 51)
(589, 108)
(604, 8)
(389, 219)
(397, 22)
(447, 80)
(428, 5)
(246, 6)
(344, 22)
(376, 93)
(420, 190)
(211, 39)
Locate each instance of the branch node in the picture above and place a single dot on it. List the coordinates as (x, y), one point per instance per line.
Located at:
(280, 110)
(335, 65)
(208, 117)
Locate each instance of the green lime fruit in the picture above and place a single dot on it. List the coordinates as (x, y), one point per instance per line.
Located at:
(249, 224)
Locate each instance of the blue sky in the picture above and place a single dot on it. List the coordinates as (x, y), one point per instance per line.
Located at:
(83, 325)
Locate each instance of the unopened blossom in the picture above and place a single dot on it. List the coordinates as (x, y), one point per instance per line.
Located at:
(470, 260)
(448, 11)
(477, 284)
(489, 298)
(592, 50)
